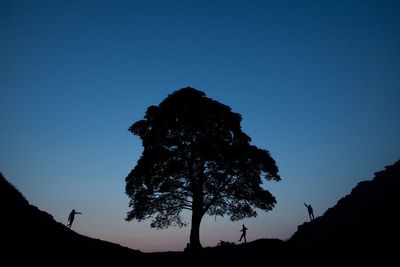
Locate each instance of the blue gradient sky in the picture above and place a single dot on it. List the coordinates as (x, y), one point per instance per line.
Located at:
(317, 84)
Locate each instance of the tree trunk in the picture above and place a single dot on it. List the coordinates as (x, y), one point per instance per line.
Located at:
(195, 230)
(197, 208)
(197, 215)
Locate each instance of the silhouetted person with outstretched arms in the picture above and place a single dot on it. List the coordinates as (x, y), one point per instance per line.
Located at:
(71, 217)
(310, 211)
(244, 229)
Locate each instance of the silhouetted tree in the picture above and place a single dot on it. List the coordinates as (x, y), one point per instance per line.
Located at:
(196, 157)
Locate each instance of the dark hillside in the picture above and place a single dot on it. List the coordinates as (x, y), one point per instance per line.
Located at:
(362, 225)
(31, 233)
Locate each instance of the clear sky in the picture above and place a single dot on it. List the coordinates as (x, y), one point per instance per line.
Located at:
(317, 84)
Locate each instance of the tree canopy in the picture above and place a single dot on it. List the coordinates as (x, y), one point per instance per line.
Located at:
(196, 157)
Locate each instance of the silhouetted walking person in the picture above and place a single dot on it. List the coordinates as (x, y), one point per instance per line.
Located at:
(310, 211)
(244, 229)
(71, 217)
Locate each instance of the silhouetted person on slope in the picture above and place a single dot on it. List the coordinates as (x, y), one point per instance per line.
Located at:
(310, 211)
(71, 217)
(244, 229)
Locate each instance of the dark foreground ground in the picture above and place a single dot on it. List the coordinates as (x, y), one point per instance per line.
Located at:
(362, 228)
